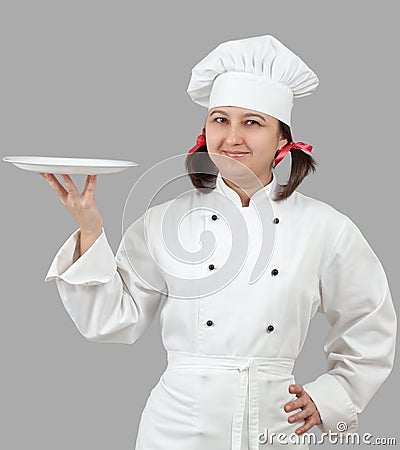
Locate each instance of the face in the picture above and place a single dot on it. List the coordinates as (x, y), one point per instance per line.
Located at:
(242, 142)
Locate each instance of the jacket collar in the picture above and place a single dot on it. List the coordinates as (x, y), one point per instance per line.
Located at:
(224, 189)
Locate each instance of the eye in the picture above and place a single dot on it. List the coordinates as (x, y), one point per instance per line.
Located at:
(220, 119)
(253, 122)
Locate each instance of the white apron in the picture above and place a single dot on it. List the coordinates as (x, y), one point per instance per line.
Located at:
(231, 347)
(239, 394)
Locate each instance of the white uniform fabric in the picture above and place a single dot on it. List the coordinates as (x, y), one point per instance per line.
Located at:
(231, 353)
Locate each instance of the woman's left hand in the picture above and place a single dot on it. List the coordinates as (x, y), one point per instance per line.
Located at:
(309, 411)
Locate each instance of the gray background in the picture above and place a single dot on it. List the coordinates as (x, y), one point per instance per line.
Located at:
(108, 79)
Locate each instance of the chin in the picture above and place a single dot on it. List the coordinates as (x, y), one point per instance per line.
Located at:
(235, 170)
(232, 168)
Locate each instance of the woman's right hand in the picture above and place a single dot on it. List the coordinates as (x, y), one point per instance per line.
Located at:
(82, 206)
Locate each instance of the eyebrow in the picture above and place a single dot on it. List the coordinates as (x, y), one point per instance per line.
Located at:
(218, 111)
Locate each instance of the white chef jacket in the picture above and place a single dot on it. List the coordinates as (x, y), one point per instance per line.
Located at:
(231, 348)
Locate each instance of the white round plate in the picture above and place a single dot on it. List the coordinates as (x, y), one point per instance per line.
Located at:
(81, 166)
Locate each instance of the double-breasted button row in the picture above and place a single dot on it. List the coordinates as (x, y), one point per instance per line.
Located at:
(211, 266)
(210, 323)
(275, 272)
(215, 217)
(270, 328)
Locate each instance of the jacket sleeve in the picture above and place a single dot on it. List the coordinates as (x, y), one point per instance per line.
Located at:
(110, 299)
(360, 345)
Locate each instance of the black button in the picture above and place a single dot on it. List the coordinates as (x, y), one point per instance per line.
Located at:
(274, 272)
(270, 328)
(276, 220)
(209, 323)
(214, 217)
(211, 267)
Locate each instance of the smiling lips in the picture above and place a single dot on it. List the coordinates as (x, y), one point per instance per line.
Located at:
(236, 154)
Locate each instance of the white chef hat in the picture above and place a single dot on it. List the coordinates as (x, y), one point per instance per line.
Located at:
(257, 73)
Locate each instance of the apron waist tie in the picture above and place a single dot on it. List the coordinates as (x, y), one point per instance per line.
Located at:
(248, 368)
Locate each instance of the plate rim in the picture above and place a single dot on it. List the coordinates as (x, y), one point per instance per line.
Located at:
(15, 159)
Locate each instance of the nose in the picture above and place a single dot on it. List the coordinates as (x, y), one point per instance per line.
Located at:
(234, 136)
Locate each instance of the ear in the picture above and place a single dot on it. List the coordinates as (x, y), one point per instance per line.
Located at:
(282, 142)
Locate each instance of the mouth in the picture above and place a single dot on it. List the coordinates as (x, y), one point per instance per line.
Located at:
(235, 154)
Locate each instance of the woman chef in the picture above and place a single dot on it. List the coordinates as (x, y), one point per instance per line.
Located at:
(252, 263)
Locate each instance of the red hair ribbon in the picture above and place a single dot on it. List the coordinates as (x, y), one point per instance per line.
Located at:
(284, 150)
(200, 141)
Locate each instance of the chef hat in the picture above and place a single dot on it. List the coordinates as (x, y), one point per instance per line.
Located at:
(257, 73)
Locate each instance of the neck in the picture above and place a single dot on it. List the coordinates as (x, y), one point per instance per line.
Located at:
(245, 188)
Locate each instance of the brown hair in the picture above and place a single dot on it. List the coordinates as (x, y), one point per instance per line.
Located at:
(203, 171)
